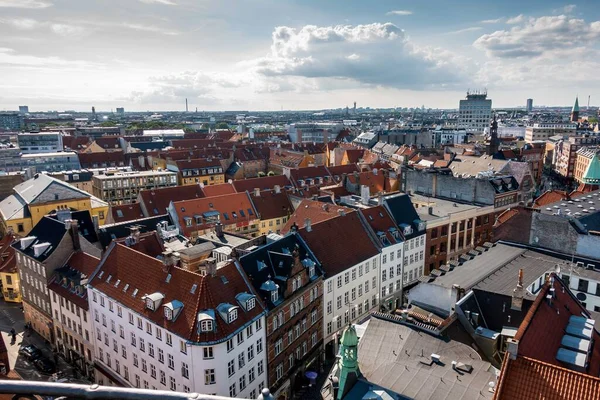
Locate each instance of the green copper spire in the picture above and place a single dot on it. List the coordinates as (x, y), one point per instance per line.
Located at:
(576, 105)
(348, 364)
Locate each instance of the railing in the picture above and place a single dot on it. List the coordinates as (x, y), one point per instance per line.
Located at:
(26, 389)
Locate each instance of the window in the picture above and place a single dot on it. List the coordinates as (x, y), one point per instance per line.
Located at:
(131, 318)
(150, 349)
(133, 339)
(124, 352)
(249, 331)
(206, 325)
(209, 376)
(126, 372)
(241, 360)
(135, 360)
(231, 368)
(329, 307)
(161, 356)
(144, 365)
(240, 338)
(259, 346)
(121, 332)
(260, 367)
(182, 347)
(172, 383)
(258, 325)
(583, 285)
(171, 361)
(229, 345)
(242, 382)
(207, 353)
(339, 302)
(251, 377)
(339, 281)
(353, 294)
(232, 391)
(185, 370)
(232, 315)
(278, 346)
(169, 339)
(346, 277)
(148, 328)
(278, 371)
(329, 286)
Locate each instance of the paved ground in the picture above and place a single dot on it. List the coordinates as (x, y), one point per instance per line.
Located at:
(11, 316)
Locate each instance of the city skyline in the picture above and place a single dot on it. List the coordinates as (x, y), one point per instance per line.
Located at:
(268, 55)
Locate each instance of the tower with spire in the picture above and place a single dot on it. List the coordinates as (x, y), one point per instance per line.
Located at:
(575, 110)
(348, 362)
(494, 140)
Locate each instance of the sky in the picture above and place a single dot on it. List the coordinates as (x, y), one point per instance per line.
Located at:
(294, 54)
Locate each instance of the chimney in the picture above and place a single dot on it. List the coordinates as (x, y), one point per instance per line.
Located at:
(294, 227)
(211, 266)
(380, 199)
(219, 229)
(167, 260)
(277, 189)
(307, 225)
(430, 210)
(71, 226)
(134, 234)
(256, 192)
(517, 297)
(512, 348)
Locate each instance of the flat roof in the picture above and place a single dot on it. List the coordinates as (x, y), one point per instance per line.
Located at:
(578, 207)
(61, 153)
(126, 174)
(441, 208)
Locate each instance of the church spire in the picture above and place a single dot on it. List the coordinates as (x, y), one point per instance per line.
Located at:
(575, 110)
(348, 363)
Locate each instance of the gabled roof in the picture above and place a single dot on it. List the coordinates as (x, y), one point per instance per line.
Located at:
(148, 243)
(549, 197)
(383, 225)
(126, 212)
(44, 188)
(90, 160)
(271, 204)
(528, 378)
(264, 183)
(308, 173)
(156, 201)
(342, 169)
(198, 163)
(200, 295)
(543, 328)
(331, 240)
(316, 211)
(231, 208)
(402, 210)
(218, 190)
(107, 233)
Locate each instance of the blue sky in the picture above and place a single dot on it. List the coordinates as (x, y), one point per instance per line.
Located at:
(274, 54)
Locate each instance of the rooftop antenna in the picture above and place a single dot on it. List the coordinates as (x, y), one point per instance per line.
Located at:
(588, 106)
(186, 105)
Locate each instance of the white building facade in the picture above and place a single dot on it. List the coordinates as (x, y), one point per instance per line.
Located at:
(475, 112)
(414, 259)
(349, 296)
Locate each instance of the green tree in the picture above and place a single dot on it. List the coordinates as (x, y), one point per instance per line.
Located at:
(222, 125)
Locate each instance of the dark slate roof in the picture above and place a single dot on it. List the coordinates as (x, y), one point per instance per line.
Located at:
(403, 212)
(278, 263)
(47, 230)
(591, 222)
(84, 223)
(107, 233)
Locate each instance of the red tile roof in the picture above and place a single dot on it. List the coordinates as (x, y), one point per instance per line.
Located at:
(192, 143)
(286, 158)
(549, 197)
(146, 274)
(267, 182)
(376, 183)
(271, 205)
(506, 215)
(339, 243)
(8, 262)
(225, 205)
(126, 212)
(342, 169)
(308, 173)
(76, 142)
(380, 220)
(527, 378)
(109, 142)
(156, 201)
(354, 155)
(109, 158)
(542, 329)
(218, 190)
(316, 211)
(148, 243)
(198, 163)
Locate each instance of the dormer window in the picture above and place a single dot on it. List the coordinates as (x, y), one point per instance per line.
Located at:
(246, 300)
(250, 304)
(172, 310)
(311, 271)
(168, 314)
(206, 325)
(232, 315)
(206, 321)
(149, 304)
(274, 296)
(153, 301)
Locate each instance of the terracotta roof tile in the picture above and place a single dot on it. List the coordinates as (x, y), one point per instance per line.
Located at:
(147, 275)
(308, 173)
(542, 329)
(316, 211)
(85, 265)
(330, 241)
(233, 209)
(156, 201)
(549, 197)
(376, 183)
(380, 220)
(148, 243)
(93, 160)
(218, 190)
(267, 182)
(197, 163)
(342, 169)
(506, 215)
(271, 205)
(192, 143)
(126, 212)
(527, 378)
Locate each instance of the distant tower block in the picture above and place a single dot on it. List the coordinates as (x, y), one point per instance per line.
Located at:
(186, 105)
(354, 108)
(529, 105)
(94, 117)
(575, 110)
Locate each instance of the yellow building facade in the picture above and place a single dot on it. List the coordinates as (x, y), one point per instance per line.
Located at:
(9, 276)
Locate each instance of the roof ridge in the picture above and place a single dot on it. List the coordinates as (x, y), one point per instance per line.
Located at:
(557, 367)
(532, 310)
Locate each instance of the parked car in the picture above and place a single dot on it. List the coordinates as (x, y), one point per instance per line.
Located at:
(44, 365)
(30, 352)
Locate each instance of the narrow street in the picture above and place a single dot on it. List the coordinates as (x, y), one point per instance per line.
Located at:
(11, 316)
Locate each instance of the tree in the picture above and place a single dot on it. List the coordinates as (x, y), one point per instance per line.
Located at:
(271, 173)
(222, 125)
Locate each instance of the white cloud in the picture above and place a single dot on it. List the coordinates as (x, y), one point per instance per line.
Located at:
(20, 23)
(25, 3)
(399, 12)
(9, 57)
(516, 20)
(471, 29)
(492, 21)
(164, 2)
(568, 9)
(538, 36)
(149, 28)
(377, 54)
(66, 29)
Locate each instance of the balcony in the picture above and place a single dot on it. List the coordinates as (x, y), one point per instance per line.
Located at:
(22, 389)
